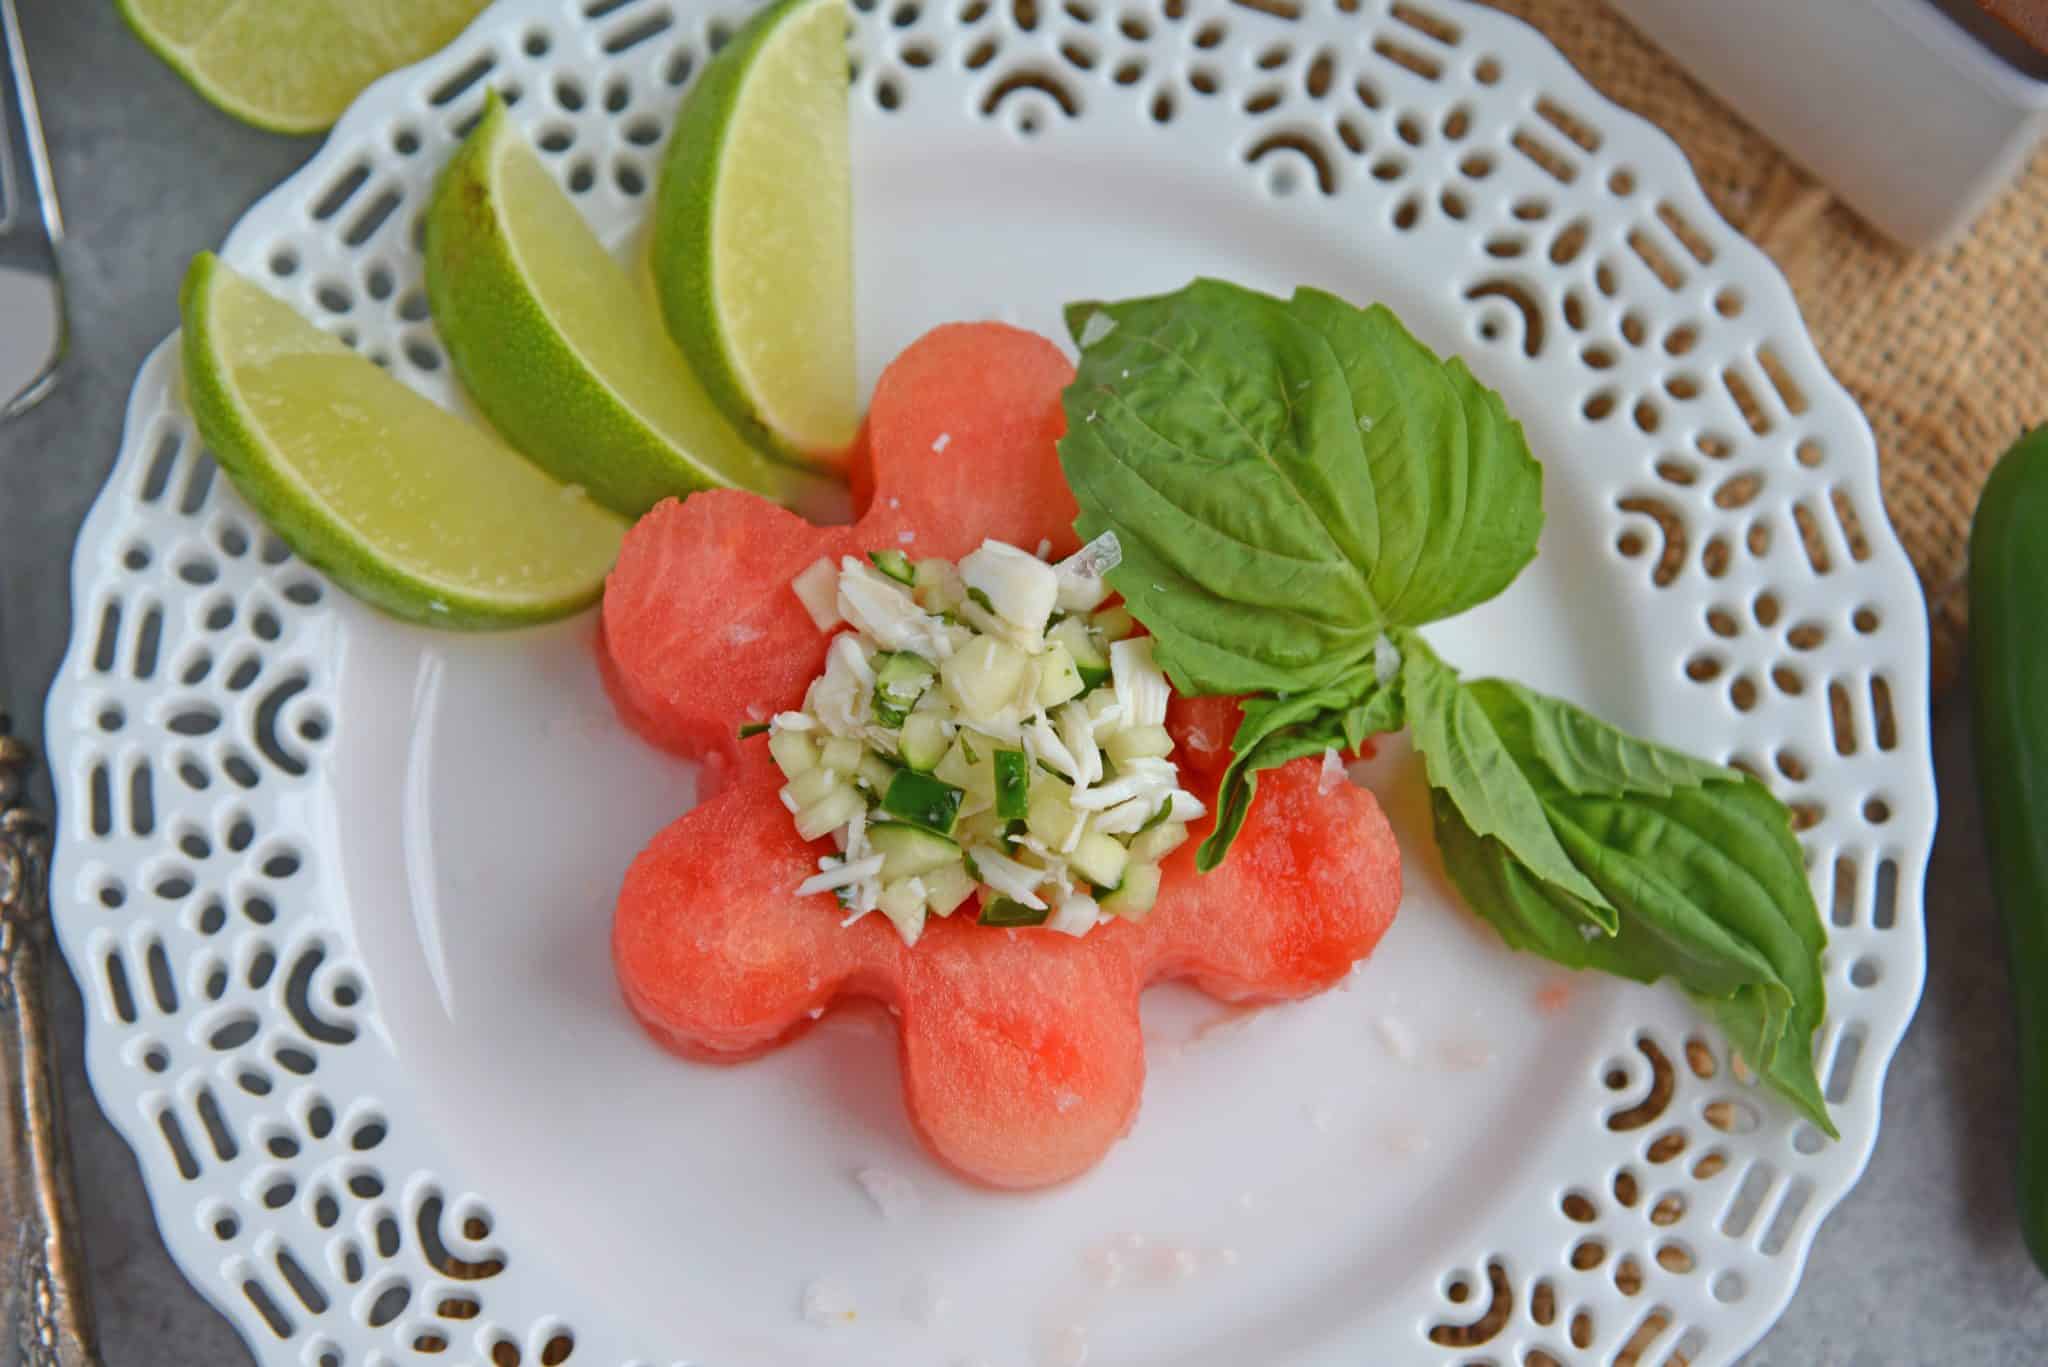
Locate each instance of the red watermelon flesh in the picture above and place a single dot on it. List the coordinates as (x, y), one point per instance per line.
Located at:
(1022, 1057)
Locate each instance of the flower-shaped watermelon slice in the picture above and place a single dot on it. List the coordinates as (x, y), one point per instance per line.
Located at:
(1022, 1057)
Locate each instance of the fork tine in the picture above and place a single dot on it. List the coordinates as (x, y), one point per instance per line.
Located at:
(31, 226)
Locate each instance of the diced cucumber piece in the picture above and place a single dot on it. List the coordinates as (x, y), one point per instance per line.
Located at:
(841, 754)
(975, 776)
(1050, 815)
(900, 679)
(1100, 859)
(903, 903)
(1013, 784)
(983, 678)
(817, 588)
(1151, 846)
(794, 752)
(1006, 911)
(875, 773)
(922, 800)
(1058, 678)
(937, 586)
(910, 851)
(923, 742)
(812, 786)
(946, 887)
(1114, 623)
(1091, 659)
(1139, 892)
(829, 813)
(1127, 743)
(896, 565)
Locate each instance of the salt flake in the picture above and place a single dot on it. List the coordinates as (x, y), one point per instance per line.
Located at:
(828, 1301)
(893, 1194)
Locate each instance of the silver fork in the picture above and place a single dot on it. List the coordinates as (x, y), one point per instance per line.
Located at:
(32, 328)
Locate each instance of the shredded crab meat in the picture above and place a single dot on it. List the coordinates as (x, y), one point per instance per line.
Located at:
(843, 874)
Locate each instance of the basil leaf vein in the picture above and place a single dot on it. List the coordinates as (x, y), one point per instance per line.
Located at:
(1275, 731)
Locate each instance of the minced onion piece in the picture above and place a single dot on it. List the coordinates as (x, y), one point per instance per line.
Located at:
(1332, 772)
(817, 588)
(1141, 686)
(1020, 588)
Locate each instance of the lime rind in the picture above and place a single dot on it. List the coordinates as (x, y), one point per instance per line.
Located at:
(299, 513)
(429, 27)
(560, 349)
(714, 242)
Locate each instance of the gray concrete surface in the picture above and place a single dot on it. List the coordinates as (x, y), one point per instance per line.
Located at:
(1922, 1266)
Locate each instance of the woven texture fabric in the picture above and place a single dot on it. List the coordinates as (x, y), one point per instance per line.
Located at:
(1944, 351)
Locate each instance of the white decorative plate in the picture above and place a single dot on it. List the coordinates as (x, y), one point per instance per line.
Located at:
(339, 890)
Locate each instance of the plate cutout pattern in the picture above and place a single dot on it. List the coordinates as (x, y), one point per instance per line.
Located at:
(233, 1039)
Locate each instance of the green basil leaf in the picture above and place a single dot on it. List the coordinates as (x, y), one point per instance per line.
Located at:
(1458, 496)
(1696, 864)
(1467, 758)
(1275, 731)
(1288, 479)
(1213, 432)
(1530, 914)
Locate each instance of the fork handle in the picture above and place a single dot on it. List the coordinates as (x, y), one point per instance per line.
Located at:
(44, 1315)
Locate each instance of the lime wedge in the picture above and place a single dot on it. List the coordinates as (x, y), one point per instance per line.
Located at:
(562, 352)
(753, 230)
(293, 68)
(400, 502)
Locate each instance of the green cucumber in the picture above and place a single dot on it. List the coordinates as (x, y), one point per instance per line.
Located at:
(900, 680)
(922, 800)
(1006, 911)
(1059, 679)
(1100, 859)
(896, 565)
(840, 754)
(1091, 661)
(795, 752)
(1137, 893)
(2009, 648)
(910, 851)
(923, 742)
(875, 772)
(1013, 784)
(1114, 623)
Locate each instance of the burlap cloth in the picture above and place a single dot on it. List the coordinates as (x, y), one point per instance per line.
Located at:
(1944, 351)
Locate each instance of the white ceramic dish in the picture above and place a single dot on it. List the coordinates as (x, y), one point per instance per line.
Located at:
(1915, 119)
(338, 890)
